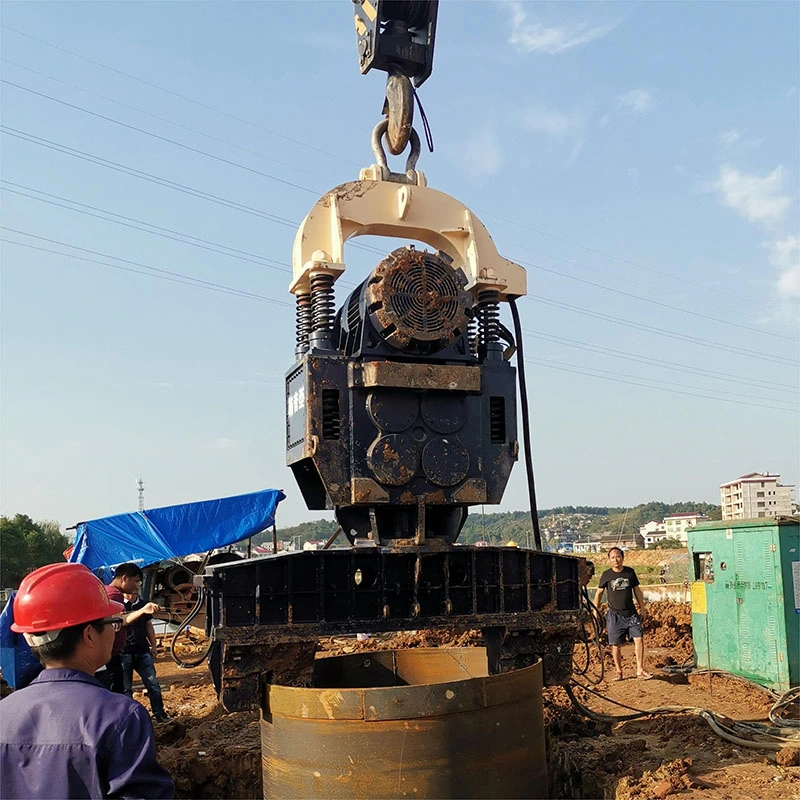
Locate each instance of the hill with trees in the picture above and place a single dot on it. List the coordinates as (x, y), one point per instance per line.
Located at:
(26, 545)
(500, 528)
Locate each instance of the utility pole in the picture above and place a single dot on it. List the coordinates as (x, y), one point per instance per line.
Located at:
(140, 487)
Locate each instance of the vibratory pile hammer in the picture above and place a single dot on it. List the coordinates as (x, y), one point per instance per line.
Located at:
(401, 414)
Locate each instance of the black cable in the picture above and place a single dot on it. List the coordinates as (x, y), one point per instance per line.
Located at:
(185, 663)
(526, 429)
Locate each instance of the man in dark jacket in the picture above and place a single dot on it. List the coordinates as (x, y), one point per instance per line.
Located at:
(65, 735)
(138, 655)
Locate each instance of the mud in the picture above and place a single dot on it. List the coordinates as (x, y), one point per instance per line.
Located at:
(211, 753)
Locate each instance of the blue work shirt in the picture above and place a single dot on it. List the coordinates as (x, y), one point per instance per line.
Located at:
(66, 736)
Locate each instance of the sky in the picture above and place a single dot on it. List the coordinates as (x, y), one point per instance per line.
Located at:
(640, 160)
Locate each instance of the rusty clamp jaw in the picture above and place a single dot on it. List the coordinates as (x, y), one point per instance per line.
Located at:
(382, 203)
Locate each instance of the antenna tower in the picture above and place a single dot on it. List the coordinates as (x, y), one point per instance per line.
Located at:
(140, 487)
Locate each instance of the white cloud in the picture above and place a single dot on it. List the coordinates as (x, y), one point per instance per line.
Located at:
(755, 198)
(552, 122)
(785, 255)
(637, 101)
(483, 153)
(531, 37)
(734, 139)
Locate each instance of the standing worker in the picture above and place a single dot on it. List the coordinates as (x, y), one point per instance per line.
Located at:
(65, 735)
(138, 655)
(622, 620)
(127, 580)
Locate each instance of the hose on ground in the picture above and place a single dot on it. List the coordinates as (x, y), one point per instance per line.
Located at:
(782, 703)
(727, 732)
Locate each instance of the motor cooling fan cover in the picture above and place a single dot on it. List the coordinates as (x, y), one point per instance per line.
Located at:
(416, 300)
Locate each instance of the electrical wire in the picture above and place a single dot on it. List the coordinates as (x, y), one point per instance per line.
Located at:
(170, 184)
(184, 97)
(160, 138)
(728, 732)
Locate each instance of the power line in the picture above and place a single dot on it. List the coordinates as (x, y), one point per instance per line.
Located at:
(182, 96)
(156, 272)
(163, 119)
(661, 332)
(641, 299)
(595, 251)
(592, 348)
(630, 295)
(217, 247)
(198, 193)
(144, 269)
(253, 258)
(630, 263)
(166, 139)
(607, 377)
(317, 175)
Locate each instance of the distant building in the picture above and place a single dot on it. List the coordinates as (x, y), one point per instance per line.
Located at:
(652, 532)
(586, 547)
(627, 541)
(676, 525)
(756, 495)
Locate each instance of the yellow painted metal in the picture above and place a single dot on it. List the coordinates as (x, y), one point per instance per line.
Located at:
(381, 207)
(447, 730)
(699, 597)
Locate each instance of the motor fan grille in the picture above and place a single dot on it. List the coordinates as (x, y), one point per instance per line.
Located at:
(417, 301)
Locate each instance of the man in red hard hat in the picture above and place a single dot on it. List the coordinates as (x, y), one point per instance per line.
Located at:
(65, 735)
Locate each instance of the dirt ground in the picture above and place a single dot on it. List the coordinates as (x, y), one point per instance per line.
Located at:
(213, 754)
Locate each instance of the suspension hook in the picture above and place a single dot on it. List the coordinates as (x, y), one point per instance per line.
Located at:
(398, 108)
(378, 133)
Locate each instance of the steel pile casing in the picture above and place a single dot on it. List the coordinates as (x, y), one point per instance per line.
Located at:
(450, 732)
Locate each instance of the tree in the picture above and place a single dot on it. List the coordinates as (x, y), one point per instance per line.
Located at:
(26, 545)
(667, 544)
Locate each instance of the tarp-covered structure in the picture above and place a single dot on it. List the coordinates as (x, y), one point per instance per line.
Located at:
(146, 537)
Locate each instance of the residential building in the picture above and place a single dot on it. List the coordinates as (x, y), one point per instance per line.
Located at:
(676, 525)
(756, 495)
(652, 532)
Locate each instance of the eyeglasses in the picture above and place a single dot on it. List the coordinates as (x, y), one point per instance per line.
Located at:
(115, 622)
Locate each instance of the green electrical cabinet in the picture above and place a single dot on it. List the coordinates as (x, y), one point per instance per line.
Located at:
(746, 598)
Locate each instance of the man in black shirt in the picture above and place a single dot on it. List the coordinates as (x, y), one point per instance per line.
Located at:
(622, 620)
(139, 647)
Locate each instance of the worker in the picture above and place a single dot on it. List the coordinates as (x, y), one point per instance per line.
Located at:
(622, 620)
(127, 580)
(65, 735)
(138, 655)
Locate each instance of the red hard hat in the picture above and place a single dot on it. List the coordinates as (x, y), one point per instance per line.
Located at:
(58, 596)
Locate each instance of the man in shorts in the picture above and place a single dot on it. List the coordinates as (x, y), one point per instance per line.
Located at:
(622, 620)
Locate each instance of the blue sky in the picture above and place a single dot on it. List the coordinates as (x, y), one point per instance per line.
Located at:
(639, 159)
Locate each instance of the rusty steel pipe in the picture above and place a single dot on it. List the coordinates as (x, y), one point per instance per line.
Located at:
(421, 723)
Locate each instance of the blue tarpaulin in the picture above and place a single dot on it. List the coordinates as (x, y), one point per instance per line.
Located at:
(146, 537)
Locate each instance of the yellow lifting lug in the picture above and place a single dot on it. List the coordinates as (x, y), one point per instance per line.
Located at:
(381, 203)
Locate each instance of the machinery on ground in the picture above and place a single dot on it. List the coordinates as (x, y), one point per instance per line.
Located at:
(400, 416)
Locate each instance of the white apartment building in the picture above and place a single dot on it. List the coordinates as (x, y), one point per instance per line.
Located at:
(676, 525)
(756, 495)
(652, 532)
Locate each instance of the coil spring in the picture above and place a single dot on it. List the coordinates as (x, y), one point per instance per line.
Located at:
(302, 320)
(472, 335)
(488, 313)
(322, 302)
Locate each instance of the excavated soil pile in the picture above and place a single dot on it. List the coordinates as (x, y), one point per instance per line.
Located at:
(211, 753)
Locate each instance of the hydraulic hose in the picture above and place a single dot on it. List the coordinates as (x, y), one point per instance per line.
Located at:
(188, 663)
(526, 424)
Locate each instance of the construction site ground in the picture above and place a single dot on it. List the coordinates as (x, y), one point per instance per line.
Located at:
(214, 754)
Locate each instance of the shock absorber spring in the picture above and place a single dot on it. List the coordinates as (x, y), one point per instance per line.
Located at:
(488, 314)
(302, 322)
(472, 335)
(322, 303)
